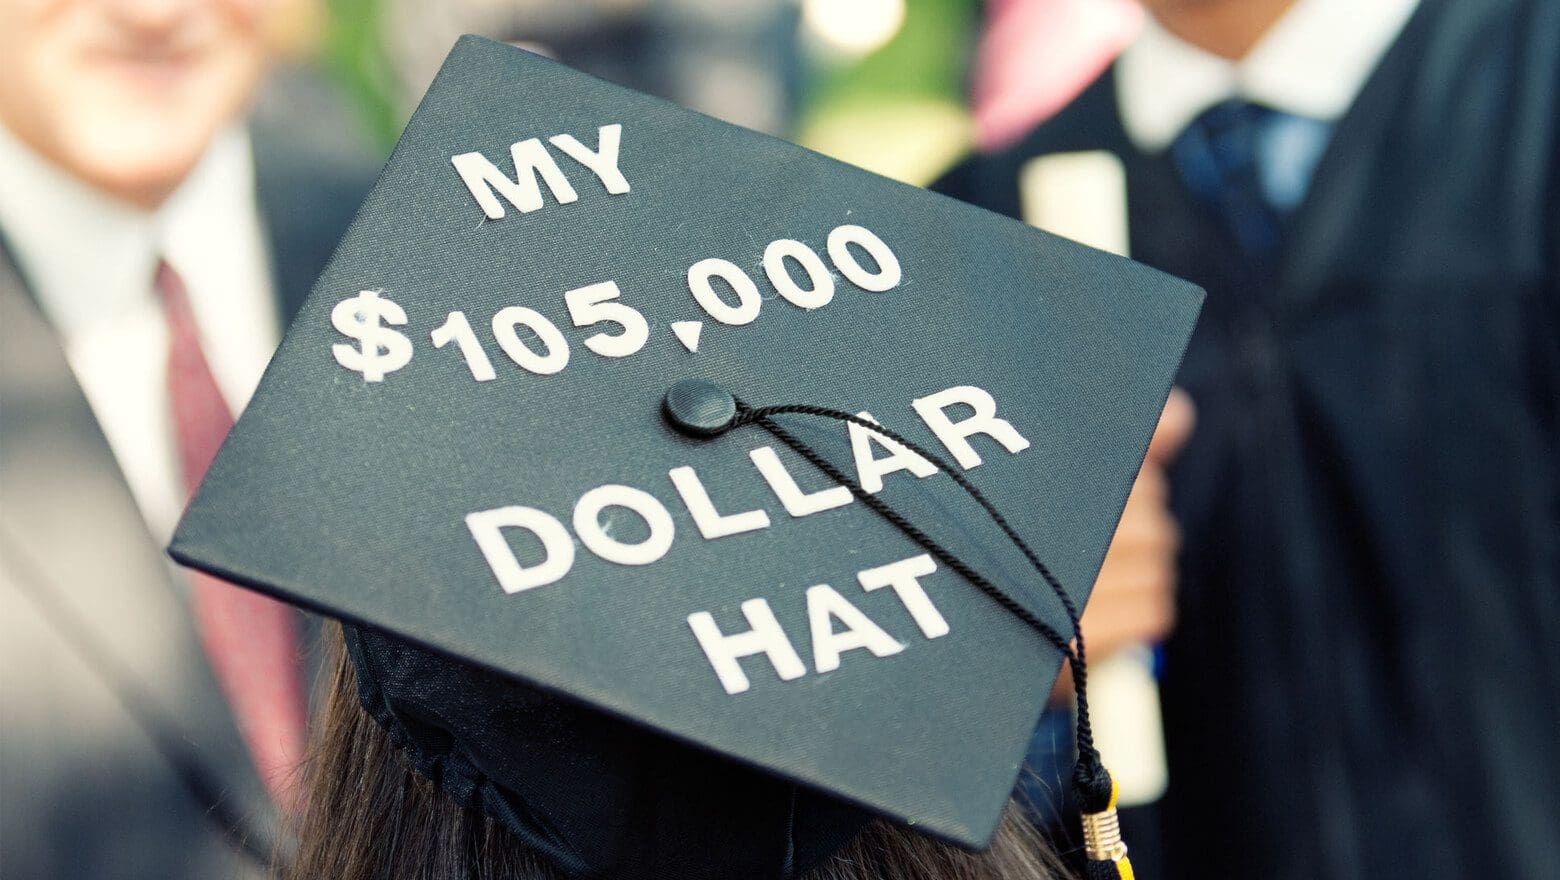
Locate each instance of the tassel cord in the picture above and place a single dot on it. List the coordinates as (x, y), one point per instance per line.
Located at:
(1089, 768)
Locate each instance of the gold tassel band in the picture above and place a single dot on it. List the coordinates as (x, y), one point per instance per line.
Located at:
(1102, 836)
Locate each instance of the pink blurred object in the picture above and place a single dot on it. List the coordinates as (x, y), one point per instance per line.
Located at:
(1036, 55)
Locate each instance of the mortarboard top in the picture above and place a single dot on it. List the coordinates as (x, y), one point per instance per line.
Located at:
(461, 440)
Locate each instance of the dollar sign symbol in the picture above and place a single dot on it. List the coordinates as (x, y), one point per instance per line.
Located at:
(383, 350)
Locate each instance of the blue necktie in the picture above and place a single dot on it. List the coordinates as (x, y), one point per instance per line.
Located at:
(1249, 164)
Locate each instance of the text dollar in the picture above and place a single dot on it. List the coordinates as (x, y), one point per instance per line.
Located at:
(381, 350)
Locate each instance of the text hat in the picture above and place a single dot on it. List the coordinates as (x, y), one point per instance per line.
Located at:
(466, 446)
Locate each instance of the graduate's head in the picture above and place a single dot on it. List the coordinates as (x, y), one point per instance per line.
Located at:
(367, 786)
(1224, 27)
(127, 94)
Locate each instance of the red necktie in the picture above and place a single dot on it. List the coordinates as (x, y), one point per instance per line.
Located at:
(251, 640)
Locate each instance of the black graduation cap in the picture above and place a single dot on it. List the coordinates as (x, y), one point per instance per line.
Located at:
(464, 447)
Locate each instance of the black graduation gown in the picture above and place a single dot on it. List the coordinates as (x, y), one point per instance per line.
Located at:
(1365, 681)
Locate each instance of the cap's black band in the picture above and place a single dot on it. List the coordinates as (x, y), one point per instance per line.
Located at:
(594, 795)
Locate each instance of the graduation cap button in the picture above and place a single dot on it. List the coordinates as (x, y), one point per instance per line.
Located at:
(699, 408)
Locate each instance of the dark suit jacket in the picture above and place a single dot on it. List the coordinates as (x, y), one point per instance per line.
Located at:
(119, 757)
(1366, 677)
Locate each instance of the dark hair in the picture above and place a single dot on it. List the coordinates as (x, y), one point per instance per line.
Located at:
(368, 815)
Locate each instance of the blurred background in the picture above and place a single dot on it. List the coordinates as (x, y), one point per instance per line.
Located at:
(884, 84)
(1343, 571)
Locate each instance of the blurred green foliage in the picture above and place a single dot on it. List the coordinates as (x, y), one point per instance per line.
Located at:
(356, 56)
(900, 110)
(927, 58)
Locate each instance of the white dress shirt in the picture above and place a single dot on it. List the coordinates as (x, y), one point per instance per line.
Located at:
(89, 259)
(1312, 63)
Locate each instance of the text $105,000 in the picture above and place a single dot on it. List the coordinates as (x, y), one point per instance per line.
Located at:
(369, 318)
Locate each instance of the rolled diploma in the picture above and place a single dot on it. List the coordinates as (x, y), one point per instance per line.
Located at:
(1083, 196)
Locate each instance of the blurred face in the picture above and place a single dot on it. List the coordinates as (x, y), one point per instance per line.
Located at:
(126, 94)
(1224, 27)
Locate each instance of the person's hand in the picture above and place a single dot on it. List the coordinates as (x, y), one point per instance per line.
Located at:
(1134, 597)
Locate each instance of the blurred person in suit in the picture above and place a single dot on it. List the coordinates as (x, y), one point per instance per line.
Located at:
(1364, 680)
(153, 242)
